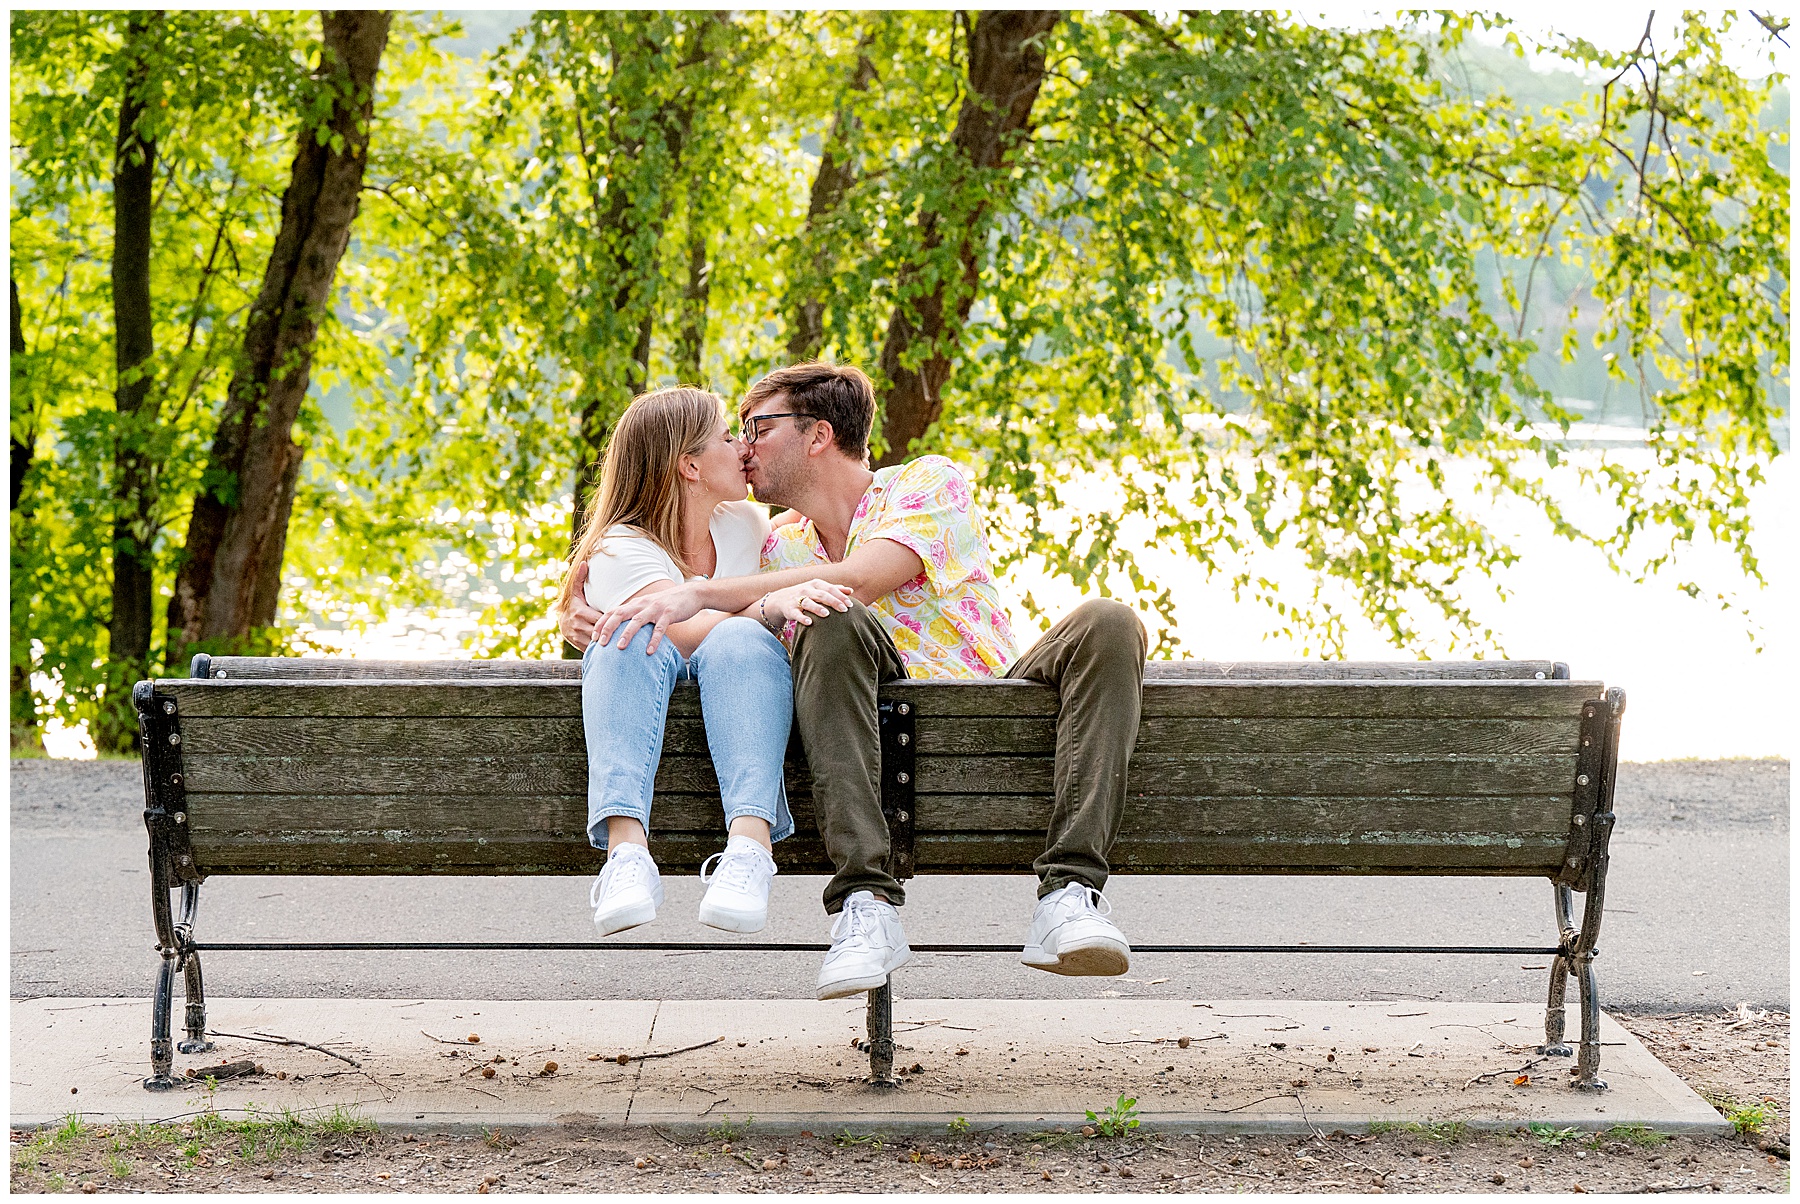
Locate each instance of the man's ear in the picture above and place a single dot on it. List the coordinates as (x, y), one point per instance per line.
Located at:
(823, 439)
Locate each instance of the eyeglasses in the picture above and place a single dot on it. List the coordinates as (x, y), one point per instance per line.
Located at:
(753, 432)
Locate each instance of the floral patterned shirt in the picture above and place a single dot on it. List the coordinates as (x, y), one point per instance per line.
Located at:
(947, 621)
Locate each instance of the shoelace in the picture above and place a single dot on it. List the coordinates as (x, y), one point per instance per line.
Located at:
(857, 919)
(1096, 901)
(625, 871)
(737, 871)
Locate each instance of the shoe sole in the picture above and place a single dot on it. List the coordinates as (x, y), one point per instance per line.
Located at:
(629, 917)
(1098, 959)
(726, 920)
(856, 986)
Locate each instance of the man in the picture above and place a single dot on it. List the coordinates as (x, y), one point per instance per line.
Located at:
(911, 545)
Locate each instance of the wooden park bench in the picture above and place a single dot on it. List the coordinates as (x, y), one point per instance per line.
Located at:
(302, 766)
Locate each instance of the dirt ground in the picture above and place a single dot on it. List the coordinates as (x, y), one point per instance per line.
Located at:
(1738, 1060)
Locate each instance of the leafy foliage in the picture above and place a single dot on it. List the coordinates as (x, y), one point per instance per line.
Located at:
(1245, 287)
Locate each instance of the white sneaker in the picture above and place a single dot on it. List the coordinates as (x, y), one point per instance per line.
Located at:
(627, 892)
(737, 889)
(1069, 934)
(866, 946)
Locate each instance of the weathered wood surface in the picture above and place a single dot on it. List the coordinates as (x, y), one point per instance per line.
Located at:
(973, 736)
(566, 773)
(452, 835)
(1470, 699)
(291, 668)
(487, 775)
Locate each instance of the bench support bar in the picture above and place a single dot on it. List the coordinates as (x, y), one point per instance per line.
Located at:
(1578, 947)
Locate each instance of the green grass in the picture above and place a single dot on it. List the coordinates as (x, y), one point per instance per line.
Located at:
(845, 1139)
(728, 1130)
(1639, 1135)
(1431, 1130)
(249, 1138)
(1117, 1119)
(1053, 1139)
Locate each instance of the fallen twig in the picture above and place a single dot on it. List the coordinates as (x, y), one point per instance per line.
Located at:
(1535, 1062)
(1265, 1099)
(624, 1059)
(1662, 1187)
(447, 1040)
(489, 1094)
(285, 1041)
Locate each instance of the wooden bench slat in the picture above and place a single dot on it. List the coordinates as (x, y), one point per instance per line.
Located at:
(938, 853)
(328, 738)
(566, 773)
(290, 668)
(1178, 834)
(1473, 699)
(420, 818)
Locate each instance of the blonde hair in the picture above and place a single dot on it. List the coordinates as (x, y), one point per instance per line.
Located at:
(640, 481)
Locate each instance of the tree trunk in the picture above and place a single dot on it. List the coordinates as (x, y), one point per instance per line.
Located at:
(690, 340)
(23, 705)
(23, 450)
(134, 346)
(836, 173)
(1006, 69)
(230, 575)
(637, 278)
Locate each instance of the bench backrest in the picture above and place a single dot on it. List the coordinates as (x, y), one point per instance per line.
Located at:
(292, 766)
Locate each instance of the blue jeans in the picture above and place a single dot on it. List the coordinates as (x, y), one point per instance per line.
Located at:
(746, 700)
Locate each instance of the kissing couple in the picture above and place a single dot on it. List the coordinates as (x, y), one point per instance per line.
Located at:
(867, 577)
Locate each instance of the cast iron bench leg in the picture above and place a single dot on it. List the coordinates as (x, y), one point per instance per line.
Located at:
(162, 1049)
(1587, 1066)
(881, 1035)
(196, 994)
(1560, 971)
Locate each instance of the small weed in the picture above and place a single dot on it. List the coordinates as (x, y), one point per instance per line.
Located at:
(1753, 1118)
(494, 1139)
(345, 1122)
(845, 1139)
(1745, 1118)
(1119, 1118)
(959, 1126)
(120, 1168)
(1550, 1135)
(1642, 1135)
(73, 1129)
(1431, 1130)
(728, 1130)
(1053, 1139)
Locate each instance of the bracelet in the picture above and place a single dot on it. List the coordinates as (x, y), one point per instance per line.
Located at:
(762, 609)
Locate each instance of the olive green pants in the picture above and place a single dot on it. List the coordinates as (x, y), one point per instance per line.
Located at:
(1093, 658)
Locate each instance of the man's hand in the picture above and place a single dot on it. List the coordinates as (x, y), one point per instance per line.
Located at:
(658, 610)
(577, 624)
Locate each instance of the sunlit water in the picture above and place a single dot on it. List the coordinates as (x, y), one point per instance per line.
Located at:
(1697, 686)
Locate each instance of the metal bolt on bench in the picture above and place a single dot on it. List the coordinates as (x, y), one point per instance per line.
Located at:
(312, 766)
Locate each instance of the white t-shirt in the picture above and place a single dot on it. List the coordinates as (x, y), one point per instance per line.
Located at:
(628, 561)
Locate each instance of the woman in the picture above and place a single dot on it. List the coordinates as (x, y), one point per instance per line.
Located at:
(671, 506)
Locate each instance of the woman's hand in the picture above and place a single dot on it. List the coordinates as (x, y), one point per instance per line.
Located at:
(577, 624)
(799, 603)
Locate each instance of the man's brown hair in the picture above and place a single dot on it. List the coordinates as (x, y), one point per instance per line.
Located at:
(841, 395)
